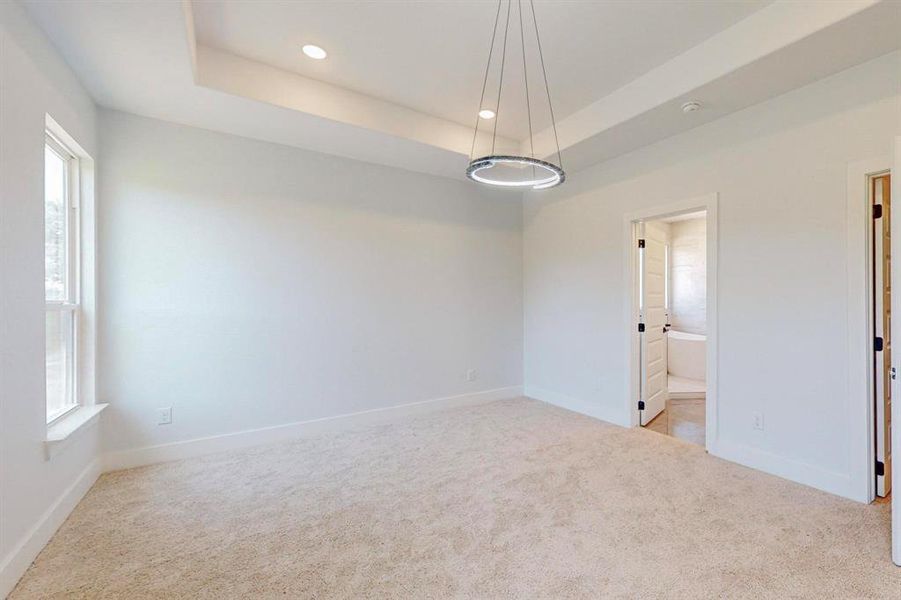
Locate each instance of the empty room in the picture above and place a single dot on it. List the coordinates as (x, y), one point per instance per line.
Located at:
(449, 299)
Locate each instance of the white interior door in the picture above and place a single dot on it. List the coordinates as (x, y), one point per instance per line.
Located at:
(652, 315)
(895, 442)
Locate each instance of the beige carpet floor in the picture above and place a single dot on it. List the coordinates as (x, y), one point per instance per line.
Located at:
(512, 499)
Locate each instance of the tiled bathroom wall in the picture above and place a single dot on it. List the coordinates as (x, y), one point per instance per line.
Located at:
(688, 274)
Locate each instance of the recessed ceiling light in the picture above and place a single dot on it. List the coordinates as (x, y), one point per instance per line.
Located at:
(486, 114)
(314, 52)
(692, 106)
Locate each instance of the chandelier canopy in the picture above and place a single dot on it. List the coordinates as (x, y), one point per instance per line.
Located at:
(506, 170)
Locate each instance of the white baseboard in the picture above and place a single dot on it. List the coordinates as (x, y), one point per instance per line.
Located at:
(126, 459)
(579, 406)
(20, 558)
(833, 482)
(14, 565)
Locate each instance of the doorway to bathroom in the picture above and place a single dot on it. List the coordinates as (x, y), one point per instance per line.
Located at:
(671, 261)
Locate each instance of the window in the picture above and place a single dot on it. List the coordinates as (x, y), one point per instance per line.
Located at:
(61, 276)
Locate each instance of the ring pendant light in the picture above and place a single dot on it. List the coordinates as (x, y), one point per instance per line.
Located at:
(506, 170)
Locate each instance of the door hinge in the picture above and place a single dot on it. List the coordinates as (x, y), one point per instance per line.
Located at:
(877, 345)
(641, 328)
(877, 211)
(880, 468)
(641, 243)
(894, 373)
(641, 405)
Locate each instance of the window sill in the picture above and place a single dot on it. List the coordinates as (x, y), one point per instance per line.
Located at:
(61, 432)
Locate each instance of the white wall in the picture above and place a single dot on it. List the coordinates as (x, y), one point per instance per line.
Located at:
(780, 171)
(688, 275)
(34, 81)
(247, 284)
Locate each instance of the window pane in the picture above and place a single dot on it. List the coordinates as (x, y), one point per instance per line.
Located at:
(60, 362)
(55, 225)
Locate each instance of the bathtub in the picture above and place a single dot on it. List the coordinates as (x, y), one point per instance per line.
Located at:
(686, 355)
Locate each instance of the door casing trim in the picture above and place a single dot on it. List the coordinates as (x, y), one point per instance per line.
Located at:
(861, 415)
(709, 203)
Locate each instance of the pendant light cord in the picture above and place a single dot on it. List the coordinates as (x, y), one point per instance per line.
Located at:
(546, 87)
(500, 85)
(485, 81)
(525, 76)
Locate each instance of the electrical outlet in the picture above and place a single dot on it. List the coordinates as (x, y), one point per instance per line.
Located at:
(472, 375)
(164, 416)
(758, 421)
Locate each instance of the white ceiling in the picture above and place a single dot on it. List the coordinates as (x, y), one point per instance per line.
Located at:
(431, 56)
(401, 84)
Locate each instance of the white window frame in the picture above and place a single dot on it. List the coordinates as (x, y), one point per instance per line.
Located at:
(82, 293)
(71, 304)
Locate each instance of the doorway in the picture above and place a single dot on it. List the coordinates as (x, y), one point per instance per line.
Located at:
(881, 293)
(672, 326)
